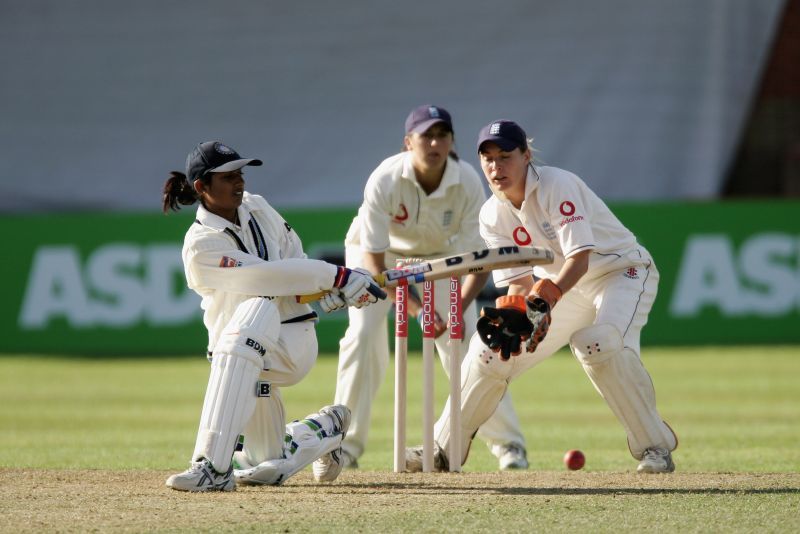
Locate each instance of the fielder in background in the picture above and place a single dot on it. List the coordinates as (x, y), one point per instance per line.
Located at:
(247, 264)
(423, 202)
(598, 294)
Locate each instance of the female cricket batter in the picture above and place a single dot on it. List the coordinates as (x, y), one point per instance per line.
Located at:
(248, 264)
(422, 202)
(599, 291)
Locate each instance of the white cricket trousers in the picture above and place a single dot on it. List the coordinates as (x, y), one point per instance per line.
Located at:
(623, 299)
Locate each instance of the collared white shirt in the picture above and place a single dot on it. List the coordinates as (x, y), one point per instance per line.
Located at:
(560, 212)
(226, 263)
(398, 216)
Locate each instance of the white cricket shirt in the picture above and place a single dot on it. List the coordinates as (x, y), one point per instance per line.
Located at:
(398, 216)
(559, 212)
(226, 264)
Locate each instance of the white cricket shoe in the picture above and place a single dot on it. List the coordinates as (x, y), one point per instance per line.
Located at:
(414, 460)
(512, 456)
(656, 460)
(201, 476)
(327, 467)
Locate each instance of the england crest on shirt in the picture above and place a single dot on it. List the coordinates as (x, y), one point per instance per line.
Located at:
(447, 218)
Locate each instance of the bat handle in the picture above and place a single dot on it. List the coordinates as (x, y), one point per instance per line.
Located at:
(379, 293)
(308, 299)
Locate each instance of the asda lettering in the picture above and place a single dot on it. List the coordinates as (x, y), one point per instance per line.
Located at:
(761, 278)
(118, 285)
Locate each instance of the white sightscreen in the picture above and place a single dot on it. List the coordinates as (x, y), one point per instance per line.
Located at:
(645, 99)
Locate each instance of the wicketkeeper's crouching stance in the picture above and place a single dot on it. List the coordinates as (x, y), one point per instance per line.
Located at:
(598, 294)
(239, 251)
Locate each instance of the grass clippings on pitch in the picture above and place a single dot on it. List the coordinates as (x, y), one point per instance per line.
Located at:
(370, 501)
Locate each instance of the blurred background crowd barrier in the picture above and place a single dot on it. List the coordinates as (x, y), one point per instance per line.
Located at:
(684, 115)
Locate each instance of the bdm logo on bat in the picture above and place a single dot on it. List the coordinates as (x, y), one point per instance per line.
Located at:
(408, 271)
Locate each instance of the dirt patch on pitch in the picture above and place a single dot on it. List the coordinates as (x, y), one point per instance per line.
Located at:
(118, 501)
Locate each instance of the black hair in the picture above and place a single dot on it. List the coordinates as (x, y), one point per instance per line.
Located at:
(178, 191)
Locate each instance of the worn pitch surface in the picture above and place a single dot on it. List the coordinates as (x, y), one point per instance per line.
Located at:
(371, 501)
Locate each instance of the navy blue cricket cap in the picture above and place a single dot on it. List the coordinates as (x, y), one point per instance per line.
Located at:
(213, 156)
(423, 117)
(505, 134)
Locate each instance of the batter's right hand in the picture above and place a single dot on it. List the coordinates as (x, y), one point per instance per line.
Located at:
(332, 301)
(357, 287)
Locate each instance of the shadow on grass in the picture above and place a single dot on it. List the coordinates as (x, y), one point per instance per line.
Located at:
(466, 489)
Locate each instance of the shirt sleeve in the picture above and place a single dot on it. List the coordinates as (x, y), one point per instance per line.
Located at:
(212, 262)
(290, 243)
(470, 235)
(569, 214)
(375, 213)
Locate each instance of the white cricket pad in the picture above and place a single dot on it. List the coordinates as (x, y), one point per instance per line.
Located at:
(254, 329)
(619, 376)
(238, 359)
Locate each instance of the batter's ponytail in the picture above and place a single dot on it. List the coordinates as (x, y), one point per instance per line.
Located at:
(177, 191)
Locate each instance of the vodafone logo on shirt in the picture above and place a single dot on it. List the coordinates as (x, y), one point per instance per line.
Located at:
(521, 236)
(567, 209)
(401, 217)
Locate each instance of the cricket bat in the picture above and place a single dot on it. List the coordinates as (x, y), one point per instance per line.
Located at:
(470, 262)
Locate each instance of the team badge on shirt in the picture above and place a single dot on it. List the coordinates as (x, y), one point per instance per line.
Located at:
(548, 230)
(448, 218)
(227, 261)
(631, 273)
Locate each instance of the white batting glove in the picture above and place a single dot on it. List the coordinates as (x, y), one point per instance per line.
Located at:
(357, 287)
(332, 301)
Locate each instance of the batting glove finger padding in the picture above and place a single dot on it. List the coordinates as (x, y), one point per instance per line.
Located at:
(332, 301)
(505, 327)
(357, 286)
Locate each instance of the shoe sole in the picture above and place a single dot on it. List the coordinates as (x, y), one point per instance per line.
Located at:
(652, 471)
(514, 467)
(227, 487)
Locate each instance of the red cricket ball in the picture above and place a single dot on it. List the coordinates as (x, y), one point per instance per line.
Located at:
(574, 459)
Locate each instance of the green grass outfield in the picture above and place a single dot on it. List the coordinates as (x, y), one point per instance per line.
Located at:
(736, 411)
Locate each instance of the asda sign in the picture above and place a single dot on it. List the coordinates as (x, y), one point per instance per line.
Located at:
(730, 271)
(100, 284)
(113, 284)
(118, 285)
(759, 278)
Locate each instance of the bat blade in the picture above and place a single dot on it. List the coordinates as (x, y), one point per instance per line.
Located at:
(468, 263)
